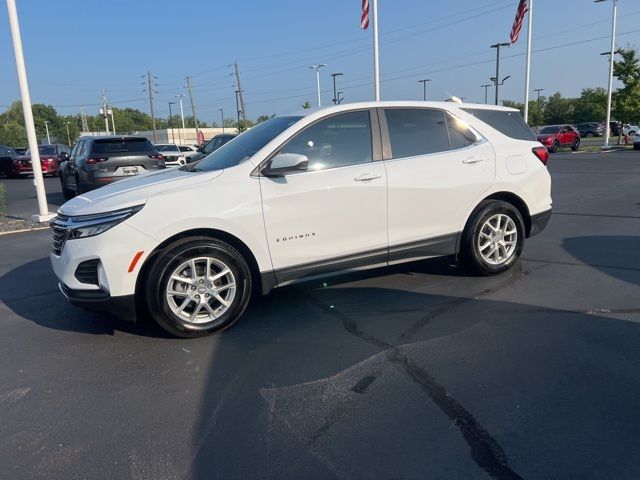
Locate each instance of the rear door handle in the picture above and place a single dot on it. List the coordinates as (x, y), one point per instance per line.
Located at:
(366, 177)
(473, 160)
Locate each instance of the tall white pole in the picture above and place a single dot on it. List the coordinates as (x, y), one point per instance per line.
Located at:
(46, 127)
(113, 121)
(611, 60)
(184, 133)
(528, 67)
(318, 86)
(28, 114)
(376, 60)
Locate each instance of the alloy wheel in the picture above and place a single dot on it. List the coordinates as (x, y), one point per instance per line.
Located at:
(497, 239)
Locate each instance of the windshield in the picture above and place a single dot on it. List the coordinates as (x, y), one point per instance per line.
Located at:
(545, 130)
(44, 150)
(167, 148)
(245, 145)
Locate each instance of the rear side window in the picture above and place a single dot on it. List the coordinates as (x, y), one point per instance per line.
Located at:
(508, 123)
(460, 135)
(126, 145)
(417, 131)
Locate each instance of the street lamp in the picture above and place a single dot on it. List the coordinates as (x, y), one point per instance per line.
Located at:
(222, 119)
(68, 135)
(538, 90)
(424, 87)
(46, 126)
(335, 95)
(173, 137)
(486, 91)
(497, 47)
(317, 69)
(184, 133)
(497, 84)
(340, 96)
(611, 60)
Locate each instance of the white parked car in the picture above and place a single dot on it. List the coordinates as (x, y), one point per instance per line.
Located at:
(173, 156)
(630, 130)
(297, 197)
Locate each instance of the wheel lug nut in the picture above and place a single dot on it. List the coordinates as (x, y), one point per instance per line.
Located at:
(201, 281)
(193, 288)
(209, 286)
(206, 295)
(197, 296)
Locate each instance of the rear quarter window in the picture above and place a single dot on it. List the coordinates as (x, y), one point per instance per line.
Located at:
(506, 122)
(122, 146)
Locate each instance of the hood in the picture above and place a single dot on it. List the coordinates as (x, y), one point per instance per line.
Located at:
(134, 191)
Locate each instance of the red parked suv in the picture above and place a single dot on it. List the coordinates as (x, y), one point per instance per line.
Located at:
(555, 136)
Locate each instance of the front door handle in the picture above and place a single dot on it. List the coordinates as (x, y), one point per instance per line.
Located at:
(473, 160)
(366, 177)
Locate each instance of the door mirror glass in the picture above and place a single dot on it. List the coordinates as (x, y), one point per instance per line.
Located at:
(284, 163)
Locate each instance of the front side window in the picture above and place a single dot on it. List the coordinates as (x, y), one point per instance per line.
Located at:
(337, 141)
(419, 131)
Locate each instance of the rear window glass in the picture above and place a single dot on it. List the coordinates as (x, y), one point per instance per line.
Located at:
(127, 145)
(508, 123)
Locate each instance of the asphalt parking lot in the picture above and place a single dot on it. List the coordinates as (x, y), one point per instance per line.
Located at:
(420, 371)
(21, 196)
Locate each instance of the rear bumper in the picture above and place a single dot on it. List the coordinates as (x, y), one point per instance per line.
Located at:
(122, 307)
(539, 222)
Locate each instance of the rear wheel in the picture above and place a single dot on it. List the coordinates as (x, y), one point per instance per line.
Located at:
(198, 286)
(554, 147)
(493, 239)
(576, 145)
(590, 134)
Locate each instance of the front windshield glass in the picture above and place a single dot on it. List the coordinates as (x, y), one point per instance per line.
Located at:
(246, 145)
(550, 130)
(44, 150)
(167, 148)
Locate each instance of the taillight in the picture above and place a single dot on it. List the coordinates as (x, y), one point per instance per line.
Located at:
(542, 153)
(93, 161)
(157, 157)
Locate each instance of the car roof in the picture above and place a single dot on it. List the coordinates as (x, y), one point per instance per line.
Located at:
(113, 137)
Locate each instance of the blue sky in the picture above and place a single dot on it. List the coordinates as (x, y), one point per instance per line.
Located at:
(73, 49)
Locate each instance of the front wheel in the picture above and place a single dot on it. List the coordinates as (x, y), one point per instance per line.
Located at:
(493, 239)
(554, 147)
(590, 135)
(198, 286)
(575, 146)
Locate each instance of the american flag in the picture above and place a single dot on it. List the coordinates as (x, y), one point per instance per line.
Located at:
(517, 23)
(364, 18)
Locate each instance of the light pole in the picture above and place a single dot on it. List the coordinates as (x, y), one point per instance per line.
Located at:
(538, 90)
(222, 119)
(46, 126)
(340, 96)
(43, 208)
(113, 122)
(335, 95)
(173, 137)
(424, 87)
(495, 82)
(66, 124)
(486, 91)
(317, 69)
(611, 60)
(497, 47)
(184, 133)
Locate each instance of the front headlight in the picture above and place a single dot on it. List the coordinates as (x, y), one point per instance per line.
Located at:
(90, 225)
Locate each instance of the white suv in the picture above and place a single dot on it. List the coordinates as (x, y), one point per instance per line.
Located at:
(301, 196)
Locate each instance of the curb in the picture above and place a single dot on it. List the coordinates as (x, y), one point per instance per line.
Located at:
(22, 230)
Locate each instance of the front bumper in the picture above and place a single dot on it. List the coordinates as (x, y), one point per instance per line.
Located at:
(122, 307)
(539, 222)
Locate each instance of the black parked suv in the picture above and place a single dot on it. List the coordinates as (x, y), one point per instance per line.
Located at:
(590, 129)
(97, 161)
(212, 145)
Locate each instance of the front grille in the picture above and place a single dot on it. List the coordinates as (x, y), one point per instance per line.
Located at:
(171, 158)
(87, 272)
(60, 232)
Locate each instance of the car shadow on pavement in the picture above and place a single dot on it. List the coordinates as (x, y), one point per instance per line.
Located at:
(605, 252)
(31, 291)
(358, 382)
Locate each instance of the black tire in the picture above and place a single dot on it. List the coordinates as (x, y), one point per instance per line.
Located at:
(67, 193)
(636, 146)
(632, 133)
(470, 247)
(590, 135)
(576, 145)
(554, 147)
(169, 259)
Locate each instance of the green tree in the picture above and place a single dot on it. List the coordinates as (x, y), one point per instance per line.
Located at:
(558, 110)
(306, 105)
(13, 134)
(263, 118)
(591, 106)
(626, 100)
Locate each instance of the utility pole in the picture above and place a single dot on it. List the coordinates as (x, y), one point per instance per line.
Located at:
(46, 126)
(612, 53)
(184, 133)
(486, 92)
(222, 119)
(103, 111)
(68, 134)
(424, 87)
(538, 90)
(340, 97)
(335, 94)
(193, 110)
(113, 122)
(150, 86)
(240, 92)
(173, 137)
(238, 110)
(497, 77)
(83, 116)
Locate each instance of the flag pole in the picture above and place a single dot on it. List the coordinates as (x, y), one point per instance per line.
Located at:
(376, 61)
(528, 67)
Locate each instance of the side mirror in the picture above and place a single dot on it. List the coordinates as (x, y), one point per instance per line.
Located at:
(284, 163)
(63, 156)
